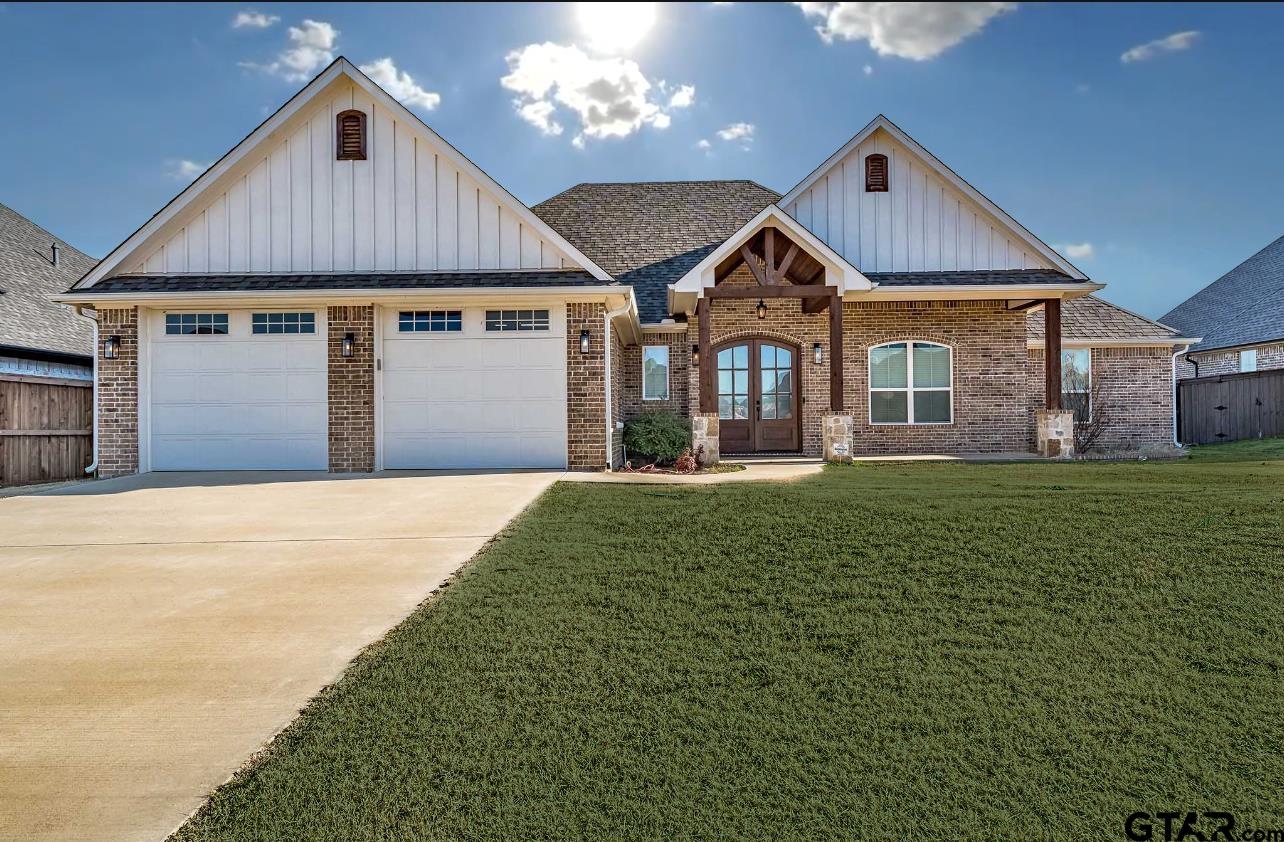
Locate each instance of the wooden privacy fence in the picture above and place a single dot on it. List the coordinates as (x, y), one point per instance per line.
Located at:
(45, 429)
(1231, 407)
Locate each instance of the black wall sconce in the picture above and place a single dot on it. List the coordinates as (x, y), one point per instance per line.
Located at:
(348, 344)
(695, 354)
(111, 347)
(762, 309)
(584, 341)
(817, 353)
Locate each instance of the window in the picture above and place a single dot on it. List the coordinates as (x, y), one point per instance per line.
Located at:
(350, 136)
(1248, 360)
(195, 324)
(506, 320)
(910, 383)
(283, 323)
(733, 383)
(1076, 382)
(875, 173)
(430, 321)
(655, 373)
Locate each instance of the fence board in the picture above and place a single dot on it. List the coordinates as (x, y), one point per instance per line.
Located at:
(44, 431)
(1231, 407)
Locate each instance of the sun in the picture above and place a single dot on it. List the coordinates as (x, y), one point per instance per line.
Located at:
(614, 27)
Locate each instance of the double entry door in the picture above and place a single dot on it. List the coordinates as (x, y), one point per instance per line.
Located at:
(757, 388)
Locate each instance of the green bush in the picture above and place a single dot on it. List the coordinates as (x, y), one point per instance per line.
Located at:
(658, 437)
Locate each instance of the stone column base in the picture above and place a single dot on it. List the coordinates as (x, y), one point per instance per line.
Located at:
(836, 432)
(704, 433)
(1054, 430)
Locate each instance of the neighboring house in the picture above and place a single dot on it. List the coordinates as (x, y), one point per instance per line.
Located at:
(1240, 317)
(46, 362)
(346, 291)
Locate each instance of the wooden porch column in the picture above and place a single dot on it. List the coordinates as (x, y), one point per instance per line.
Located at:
(707, 403)
(1052, 353)
(835, 352)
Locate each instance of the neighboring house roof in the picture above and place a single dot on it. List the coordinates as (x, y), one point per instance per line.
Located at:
(28, 319)
(1090, 319)
(650, 234)
(345, 281)
(1243, 307)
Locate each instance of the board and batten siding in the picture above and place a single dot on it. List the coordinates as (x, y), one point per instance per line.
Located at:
(921, 224)
(406, 207)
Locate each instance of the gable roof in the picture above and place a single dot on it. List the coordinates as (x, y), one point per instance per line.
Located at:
(948, 176)
(650, 234)
(1092, 319)
(1243, 307)
(28, 318)
(150, 234)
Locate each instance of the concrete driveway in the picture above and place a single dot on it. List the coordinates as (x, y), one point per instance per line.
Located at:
(156, 631)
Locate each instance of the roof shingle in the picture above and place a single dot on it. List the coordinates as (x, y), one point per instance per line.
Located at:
(1091, 318)
(1243, 307)
(343, 281)
(28, 319)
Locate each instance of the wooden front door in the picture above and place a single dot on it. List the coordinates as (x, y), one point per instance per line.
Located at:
(757, 389)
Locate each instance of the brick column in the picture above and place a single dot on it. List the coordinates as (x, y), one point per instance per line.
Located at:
(350, 382)
(118, 394)
(585, 389)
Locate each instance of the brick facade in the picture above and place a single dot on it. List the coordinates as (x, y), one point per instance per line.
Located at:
(1214, 363)
(118, 394)
(351, 390)
(679, 344)
(585, 389)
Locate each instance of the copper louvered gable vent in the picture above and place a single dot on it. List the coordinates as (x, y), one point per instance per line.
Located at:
(351, 136)
(876, 174)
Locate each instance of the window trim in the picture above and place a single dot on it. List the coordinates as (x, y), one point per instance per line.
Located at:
(668, 371)
(535, 319)
(338, 134)
(226, 322)
(1086, 391)
(910, 388)
(1240, 361)
(300, 323)
(447, 319)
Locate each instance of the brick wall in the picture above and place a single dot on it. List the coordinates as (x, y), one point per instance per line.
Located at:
(1216, 363)
(1135, 393)
(679, 344)
(118, 394)
(585, 389)
(351, 390)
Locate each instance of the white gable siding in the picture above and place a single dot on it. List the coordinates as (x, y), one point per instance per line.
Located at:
(294, 208)
(921, 224)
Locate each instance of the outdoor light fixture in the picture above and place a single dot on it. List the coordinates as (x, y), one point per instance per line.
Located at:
(349, 342)
(762, 309)
(695, 354)
(816, 353)
(111, 347)
(584, 341)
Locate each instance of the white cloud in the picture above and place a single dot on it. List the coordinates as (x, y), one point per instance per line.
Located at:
(312, 48)
(703, 143)
(1076, 251)
(868, 70)
(909, 30)
(610, 97)
(254, 20)
(185, 170)
(400, 84)
(738, 131)
(1174, 43)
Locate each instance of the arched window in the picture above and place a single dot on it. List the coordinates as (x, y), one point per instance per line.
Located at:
(911, 383)
(350, 136)
(876, 173)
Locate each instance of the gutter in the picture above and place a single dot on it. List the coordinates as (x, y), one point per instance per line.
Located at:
(1176, 354)
(161, 297)
(606, 339)
(80, 311)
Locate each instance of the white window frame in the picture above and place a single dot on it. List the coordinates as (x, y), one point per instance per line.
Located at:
(1086, 391)
(534, 323)
(300, 332)
(909, 389)
(429, 312)
(227, 322)
(667, 373)
(1244, 357)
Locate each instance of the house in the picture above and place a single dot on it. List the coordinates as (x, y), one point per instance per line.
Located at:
(46, 357)
(1240, 317)
(344, 290)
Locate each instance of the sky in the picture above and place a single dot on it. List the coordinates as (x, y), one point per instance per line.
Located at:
(1142, 140)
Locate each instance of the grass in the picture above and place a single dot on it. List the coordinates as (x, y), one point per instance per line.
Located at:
(929, 651)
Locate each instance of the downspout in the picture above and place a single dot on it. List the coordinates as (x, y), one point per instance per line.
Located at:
(80, 311)
(1176, 354)
(606, 340)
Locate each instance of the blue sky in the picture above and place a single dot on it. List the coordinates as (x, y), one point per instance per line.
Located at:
(1166, 164)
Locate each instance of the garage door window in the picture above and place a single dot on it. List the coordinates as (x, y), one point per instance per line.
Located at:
(506, 320)
(195, 324)
(284, 323)
(430, 321)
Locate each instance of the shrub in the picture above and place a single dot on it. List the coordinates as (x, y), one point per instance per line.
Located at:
(658, 437)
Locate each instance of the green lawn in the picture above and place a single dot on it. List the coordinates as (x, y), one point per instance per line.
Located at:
(935, 651)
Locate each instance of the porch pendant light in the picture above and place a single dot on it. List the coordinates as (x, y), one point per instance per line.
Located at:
(762, 309)
(111, 347)
(584, 341)
(347, 345)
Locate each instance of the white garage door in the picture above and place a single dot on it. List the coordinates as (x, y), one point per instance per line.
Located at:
(474, 388)
(237, 390)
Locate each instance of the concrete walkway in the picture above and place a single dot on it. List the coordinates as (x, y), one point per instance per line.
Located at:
(156, 631)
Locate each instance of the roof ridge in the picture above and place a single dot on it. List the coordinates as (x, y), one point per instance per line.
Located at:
(42, 229)
(1137, 315)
